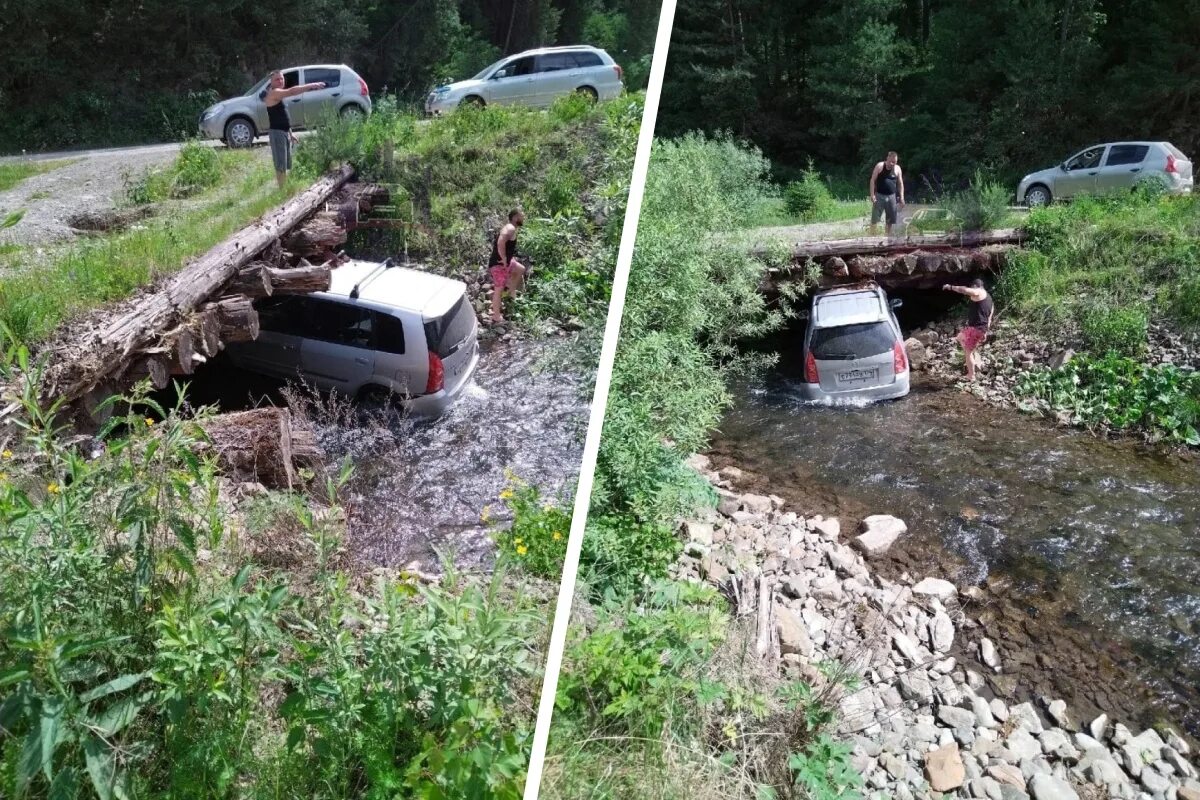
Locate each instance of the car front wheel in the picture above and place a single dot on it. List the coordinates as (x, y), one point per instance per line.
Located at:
(239, 133)
(1037, 196)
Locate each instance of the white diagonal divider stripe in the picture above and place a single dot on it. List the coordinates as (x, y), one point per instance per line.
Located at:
(612, 330)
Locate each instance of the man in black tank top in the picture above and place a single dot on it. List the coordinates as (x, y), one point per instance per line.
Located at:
(279, 124)
(886, 190)
(506, 271)
(979, 322)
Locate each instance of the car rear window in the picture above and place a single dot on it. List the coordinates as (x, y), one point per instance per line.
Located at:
(555, 62)
(328, 76)
(1175, 151)
(586, 58)
(1127, 154)
(389, 334)
(448, 330)
(846, 342)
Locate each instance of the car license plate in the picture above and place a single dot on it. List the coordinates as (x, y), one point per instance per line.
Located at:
(857, 376)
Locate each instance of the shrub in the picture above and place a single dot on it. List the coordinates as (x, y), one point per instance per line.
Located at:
(980, 207)
(809, 197)
(1118, 328)
(823, 770)
(537, 538)
(196, 168)
(621, 556)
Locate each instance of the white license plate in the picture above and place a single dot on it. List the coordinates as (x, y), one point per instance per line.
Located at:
(853, 377)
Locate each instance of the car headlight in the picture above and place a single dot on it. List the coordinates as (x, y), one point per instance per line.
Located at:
(212, 112)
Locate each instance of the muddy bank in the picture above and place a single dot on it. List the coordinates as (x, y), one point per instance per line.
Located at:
(1077, 553)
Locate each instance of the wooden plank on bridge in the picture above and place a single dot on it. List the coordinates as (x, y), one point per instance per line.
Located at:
(882, 245)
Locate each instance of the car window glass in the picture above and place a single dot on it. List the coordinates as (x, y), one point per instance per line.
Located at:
(291, 78)
(1087, 159)
(389, 333)
(585, 59)
(850, 342)
(286, 315)
(556, 62)
(340, 323)
(522, 66)
(329, 77)
(1127, 154)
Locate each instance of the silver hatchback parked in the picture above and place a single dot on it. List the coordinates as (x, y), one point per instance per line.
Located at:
(379, 331)
(534, 78)
(1107, 168)
(854, 348)
(239, 120)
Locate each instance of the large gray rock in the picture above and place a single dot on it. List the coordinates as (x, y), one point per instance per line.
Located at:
(1048, 787)
(915, 685)
(1098, 727)
(988, 654)
(1057, 709)
(880, 531)
(917, 355)
(941, 632)
(699, 532)
(1106, 773)
(829, 529)
(1178, 762)
(1055, 743)
(906, 647)
(1007, 774)
(793, 635)
(1022, 745)
(1026, 717)
(954, 717)
(936, 587)
(756, 503)
(1153, 782)
(982, 712)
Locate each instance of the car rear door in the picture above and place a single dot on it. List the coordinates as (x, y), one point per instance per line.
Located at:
(854, 357)
(1081, 172)
(338, 354)
(276, 351)
(322, 103)
(1122, 167)
(453, 337)
(557, 74)
(512, 84)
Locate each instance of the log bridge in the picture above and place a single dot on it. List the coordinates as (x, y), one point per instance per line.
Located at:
(170, 329)
(919, 261)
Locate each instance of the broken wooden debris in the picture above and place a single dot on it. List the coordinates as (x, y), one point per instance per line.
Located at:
(266, 445)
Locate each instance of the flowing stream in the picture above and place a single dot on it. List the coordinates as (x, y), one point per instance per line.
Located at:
(1089, 550)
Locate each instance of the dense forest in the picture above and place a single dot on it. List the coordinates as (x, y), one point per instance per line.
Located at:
(952, 85)
(95, 72)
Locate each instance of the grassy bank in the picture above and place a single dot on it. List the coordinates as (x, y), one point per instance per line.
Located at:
(457, 177)
(229, 190)
(658, 696)
(13, 174)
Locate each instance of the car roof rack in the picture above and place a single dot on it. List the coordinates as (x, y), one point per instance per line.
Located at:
(387, 262)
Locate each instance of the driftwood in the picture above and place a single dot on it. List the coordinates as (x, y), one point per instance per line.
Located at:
(79, 366)
(237, 321)
(264, 445)
(879, 245)
(319, 236)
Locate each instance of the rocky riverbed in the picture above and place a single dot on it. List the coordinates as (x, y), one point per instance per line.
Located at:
(924, 721)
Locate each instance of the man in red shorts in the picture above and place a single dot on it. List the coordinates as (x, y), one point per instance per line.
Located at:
(979, 322)
(506, 271)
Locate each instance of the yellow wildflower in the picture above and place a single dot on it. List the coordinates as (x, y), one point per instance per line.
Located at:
(557, 535)
(522, 549)
(7, 453)
(487, 514)
(149, 422)
(506, 494)
(52, 488)
(3, 476)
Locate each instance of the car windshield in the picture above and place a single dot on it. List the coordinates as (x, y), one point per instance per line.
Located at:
(484, 73)
(256, 88)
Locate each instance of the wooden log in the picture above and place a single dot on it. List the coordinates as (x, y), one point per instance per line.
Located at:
(183, 361)
(237, 320)
(875, 245)
(206, 329)
(80, 363)
(905, 263)
(253, 281)
(300, 280)
(836, 267)
(155, 366)
(320, 233)
(254, 445)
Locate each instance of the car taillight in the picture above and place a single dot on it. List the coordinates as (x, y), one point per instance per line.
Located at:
(620, 72)
(1171, 163)
(810, 369)
(362, 87)
(437, 374)
(899, 358)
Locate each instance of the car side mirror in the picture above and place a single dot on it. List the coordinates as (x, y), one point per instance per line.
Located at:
(1063, 167)
(803, 314)
(896, 302)
(503, 73)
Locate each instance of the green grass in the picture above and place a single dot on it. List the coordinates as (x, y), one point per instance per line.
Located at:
(88, 274)
(771, 212)
(12, 174)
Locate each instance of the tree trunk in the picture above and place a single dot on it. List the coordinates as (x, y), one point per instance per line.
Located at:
(237, 320)
(304, 279)
(877, 245)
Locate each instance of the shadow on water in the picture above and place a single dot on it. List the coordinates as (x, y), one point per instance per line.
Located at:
(1097, 543)
(420, 485)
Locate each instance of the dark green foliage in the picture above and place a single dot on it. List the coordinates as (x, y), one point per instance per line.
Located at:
(950, 85)
(982, 206)
(809, 197)
(128, 72)
(1118, 393)
(1121, 329)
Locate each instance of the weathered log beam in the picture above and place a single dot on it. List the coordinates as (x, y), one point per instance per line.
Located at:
(76, 366)
(253, 281)
(878, 245)
(237, 320)
(303, 279)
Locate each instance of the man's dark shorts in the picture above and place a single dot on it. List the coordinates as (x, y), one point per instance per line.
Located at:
(281, 149)
(885, 206)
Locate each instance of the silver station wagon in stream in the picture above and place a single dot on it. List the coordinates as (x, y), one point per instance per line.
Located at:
(380, 331)
(853, 348)
(534, 78)
(239, 120)
(1109, 168)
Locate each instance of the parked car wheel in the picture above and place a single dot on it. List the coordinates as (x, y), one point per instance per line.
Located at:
(1152, 185)
(1037, 196)
(588, 92)
(375, 397)
(239, 132)
(353, 111)
(474, 101)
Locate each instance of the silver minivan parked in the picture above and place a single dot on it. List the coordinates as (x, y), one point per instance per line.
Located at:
(534, 78)
(239, 120)
(1107, 168)
(854, 348)
(380, 331)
